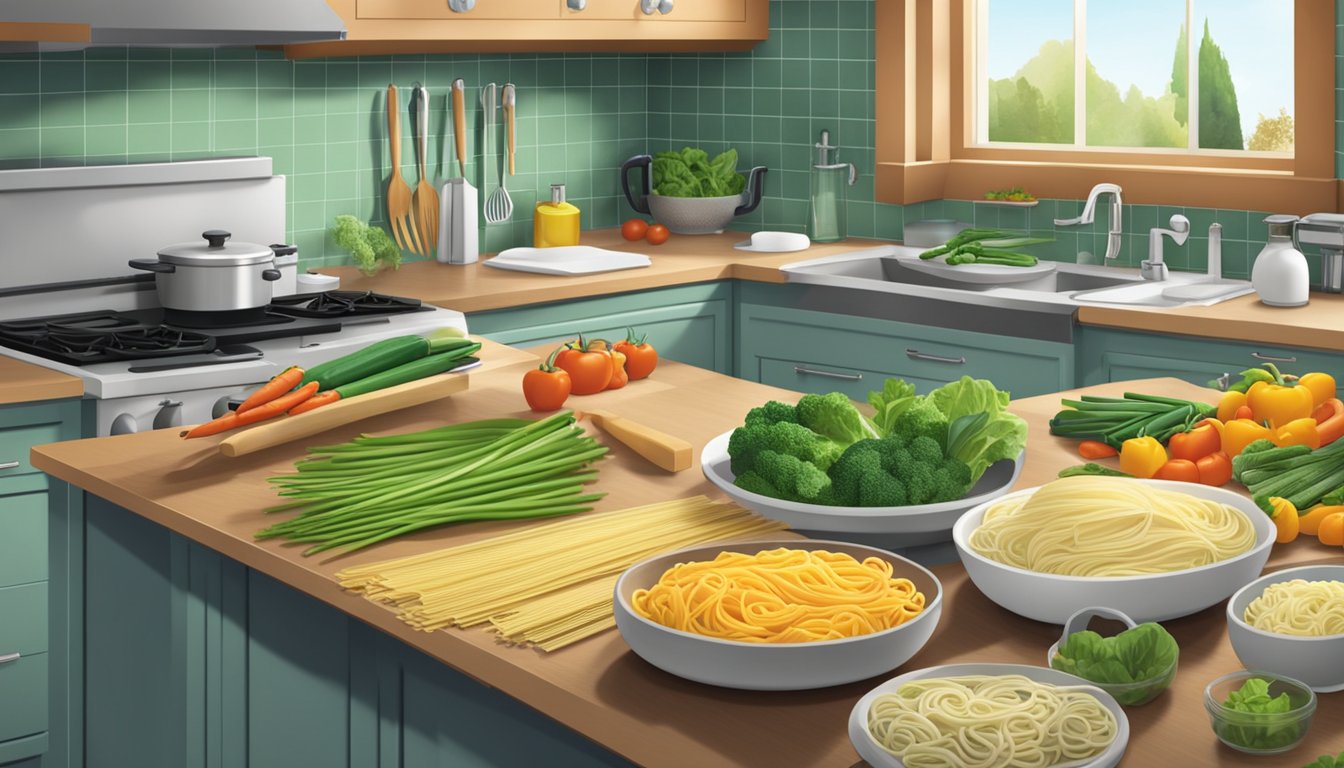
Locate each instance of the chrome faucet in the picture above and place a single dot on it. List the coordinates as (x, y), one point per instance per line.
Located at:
(1155, 268)
(1090, 211)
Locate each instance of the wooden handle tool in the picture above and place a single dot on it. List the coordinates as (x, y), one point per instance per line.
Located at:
(663, 450)
(342, 412)
(460, 124)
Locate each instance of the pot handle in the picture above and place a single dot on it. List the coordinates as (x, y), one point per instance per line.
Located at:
(152, 265)
(270, 275)
(644, 163)
(755, 188)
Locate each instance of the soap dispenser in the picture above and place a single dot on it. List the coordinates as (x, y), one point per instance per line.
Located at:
(1280, 274)
(555, 222)
(826, 221)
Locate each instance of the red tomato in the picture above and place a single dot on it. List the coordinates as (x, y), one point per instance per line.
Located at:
(634, 229)
(657, 234)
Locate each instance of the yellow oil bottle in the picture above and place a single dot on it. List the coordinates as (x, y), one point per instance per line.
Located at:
(555, 222)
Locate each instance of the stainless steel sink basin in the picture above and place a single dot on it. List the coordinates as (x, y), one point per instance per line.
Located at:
(888, 268)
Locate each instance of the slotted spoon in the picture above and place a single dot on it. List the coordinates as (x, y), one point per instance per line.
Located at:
(426, 196)
(398, 191)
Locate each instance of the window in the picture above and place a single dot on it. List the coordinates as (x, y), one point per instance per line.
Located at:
(1058, 95)
(1122, 74)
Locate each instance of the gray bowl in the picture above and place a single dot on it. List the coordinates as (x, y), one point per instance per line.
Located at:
(1313, 660)
(694, 215)
(774, 666)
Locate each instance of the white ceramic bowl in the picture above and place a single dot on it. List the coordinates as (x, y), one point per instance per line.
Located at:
(774, 666)
(878, 757)
(935, 520)
(1053, 598)
(1316, 661)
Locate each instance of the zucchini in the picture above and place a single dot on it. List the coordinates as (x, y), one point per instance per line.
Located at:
(416, 369)
(376, 358)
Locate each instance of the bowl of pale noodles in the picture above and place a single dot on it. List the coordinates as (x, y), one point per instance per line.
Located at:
(1291, 623)
(1153, 549)
(985, 715)
(777, 615)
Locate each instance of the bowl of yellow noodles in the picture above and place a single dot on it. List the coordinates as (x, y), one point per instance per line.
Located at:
(777, 615)
(1152, 549)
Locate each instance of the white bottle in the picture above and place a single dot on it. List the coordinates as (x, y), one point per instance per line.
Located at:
(1279, 275)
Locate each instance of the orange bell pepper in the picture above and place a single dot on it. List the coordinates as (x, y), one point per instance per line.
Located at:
(1239, 433)
(1298, 432)
(1227, 407)
(1329, 417)
(1278, 404)
(1197, 443)
(1310, 523)
(1331, 530)
(1142, 456)
(1286, 521)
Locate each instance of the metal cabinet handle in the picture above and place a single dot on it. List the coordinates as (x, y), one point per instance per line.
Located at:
(8, 464)
(1273, 359)
(577, 5)
(915, 354)
(461, 6)
(798, 369)
(5, 658)
(649, 7)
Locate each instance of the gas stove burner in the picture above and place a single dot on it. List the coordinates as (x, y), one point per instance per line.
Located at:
(343, 304)
(95, 337)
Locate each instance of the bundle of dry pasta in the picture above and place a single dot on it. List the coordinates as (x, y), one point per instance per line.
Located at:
(546, 585)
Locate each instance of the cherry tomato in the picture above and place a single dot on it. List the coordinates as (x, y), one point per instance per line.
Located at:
(634, 229)
(547, 387)
(589, 367)
(640, 356)
(657, 234)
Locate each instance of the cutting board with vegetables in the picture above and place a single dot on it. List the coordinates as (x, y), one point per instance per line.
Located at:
(567, 260)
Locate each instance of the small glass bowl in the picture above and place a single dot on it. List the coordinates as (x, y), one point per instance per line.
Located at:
(1257, 733)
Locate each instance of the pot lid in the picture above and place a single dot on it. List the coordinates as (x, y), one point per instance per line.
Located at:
(215, 251)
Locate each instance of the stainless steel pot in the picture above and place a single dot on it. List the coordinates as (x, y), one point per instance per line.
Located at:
(214, 277)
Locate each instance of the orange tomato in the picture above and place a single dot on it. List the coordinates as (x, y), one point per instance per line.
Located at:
(589, 368)
(546, 387)
(1180, 470)
(1214, 469)
(657, 234)
(640, 356)
(1331, 530)
(634, 229)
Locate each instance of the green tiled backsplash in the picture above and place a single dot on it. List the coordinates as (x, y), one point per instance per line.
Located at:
(579, 117)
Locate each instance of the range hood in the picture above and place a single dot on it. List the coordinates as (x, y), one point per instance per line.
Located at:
(183, 22)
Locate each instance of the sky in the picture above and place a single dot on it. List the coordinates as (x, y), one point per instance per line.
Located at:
(1140, 37)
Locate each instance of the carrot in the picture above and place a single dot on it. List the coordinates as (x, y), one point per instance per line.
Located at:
(222, 424)
(1330, 420)
(233, 419)
(277, 386)
(316, 401)
(1095, 449)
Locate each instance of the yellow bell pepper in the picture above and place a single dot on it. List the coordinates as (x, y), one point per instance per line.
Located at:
(1239, 433)
(1286, 522)
(1278, 404)
(1298, 432)
(1321, 385)
(1227, 407)
(1142, 456)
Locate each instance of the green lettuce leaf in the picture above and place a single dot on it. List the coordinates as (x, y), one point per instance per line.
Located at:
(1327, 761)
(1135, 655)
(896, 397)
(1002, 436)
(691, 173)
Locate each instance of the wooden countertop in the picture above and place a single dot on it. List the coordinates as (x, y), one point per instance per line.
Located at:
(22, 382)
(682, 260)
(599, 687)
(1320, 324)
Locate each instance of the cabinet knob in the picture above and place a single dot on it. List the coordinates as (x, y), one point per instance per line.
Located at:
(660, 6)
(461, 6)
(577, 5)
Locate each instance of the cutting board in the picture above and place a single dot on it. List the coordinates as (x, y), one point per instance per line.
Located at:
(567, 260)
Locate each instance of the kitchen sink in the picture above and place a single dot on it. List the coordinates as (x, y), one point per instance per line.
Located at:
(889, 268)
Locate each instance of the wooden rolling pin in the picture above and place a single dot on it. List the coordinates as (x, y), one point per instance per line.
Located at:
(670, 453)
(282, 430)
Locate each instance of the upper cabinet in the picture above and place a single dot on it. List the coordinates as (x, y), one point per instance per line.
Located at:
(445, 26)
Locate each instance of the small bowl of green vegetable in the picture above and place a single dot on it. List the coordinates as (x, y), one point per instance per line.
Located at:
(1259, 713)
(1134, 666)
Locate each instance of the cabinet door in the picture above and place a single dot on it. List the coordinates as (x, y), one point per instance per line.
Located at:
(438, 9)
(682, 10)
(23, 537)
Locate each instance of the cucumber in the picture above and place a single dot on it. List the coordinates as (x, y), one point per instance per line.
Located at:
(416, 369)
(375, 358)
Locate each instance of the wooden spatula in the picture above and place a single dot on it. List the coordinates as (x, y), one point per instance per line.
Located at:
(663, 450)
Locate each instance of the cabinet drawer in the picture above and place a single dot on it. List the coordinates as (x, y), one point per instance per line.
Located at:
(16, 441)
(23, 697)
(682, 10)
(820, 378)
(23, 620)
(438, 9)
(23, 538)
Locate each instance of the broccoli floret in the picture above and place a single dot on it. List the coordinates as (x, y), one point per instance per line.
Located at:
(951, 480)
(747, 443)
(926, 450)
(892, 449)
(796, 480)
(880, 489)
(919, 482)
(754, 483)
(772, 412)
(923, 419)
(834, 416)
(859, 460)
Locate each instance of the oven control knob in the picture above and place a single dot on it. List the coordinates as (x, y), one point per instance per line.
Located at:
(169, 415)
(123, 424)
(225, 404)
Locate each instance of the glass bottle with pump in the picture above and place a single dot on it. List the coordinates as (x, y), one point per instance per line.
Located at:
(555, 222)
(826, 221)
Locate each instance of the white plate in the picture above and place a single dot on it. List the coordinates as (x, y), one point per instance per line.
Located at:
(880, 758)
(922, 518)
(567, 260)
(978, 273)
(775, 242)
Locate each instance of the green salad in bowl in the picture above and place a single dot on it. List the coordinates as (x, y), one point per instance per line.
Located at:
(1134, 666)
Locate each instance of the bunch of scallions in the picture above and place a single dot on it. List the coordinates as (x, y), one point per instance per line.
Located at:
(371, 489)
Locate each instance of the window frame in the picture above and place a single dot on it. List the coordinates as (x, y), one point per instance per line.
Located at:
(925, 130)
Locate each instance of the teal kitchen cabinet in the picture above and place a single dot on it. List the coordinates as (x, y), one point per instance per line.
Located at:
(810, 351)
(193, 660)
(35, 671)
(691, 324)
(1106, 354)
